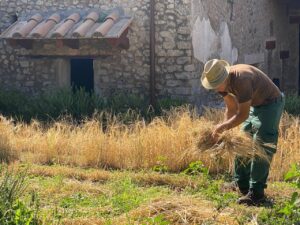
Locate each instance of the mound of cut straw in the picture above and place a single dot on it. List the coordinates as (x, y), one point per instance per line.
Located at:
(181, 210)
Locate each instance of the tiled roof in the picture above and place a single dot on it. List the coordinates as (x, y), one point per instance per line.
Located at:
(93, 24)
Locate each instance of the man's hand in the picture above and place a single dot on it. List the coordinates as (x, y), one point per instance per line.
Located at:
(219, 129)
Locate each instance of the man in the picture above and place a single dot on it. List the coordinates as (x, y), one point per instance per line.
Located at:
(254, 101)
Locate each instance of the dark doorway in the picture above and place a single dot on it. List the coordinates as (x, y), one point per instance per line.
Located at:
(82, 74)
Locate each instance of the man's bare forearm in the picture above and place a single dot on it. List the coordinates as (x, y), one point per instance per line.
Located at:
(229, 114)
(234, 121)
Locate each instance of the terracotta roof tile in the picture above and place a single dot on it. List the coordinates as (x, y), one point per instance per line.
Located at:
(69, 26)
(110, 20)
(87, 24)
(27, 28)
(72, 25)
(66, 26)
(43, 28)
(114, 16)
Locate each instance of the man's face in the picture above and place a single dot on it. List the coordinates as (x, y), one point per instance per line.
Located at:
(222, 87)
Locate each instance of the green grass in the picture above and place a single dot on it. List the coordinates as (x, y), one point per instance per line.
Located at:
(75, 199)
(61, 197)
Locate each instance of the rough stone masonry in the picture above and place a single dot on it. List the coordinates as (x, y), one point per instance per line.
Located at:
(188, 32)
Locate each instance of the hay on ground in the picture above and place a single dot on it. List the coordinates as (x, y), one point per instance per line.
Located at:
(180, 210)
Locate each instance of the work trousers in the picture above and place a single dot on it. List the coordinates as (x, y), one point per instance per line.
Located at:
(262, 125)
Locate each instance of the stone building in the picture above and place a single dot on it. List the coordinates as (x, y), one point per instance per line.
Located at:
(153, 47)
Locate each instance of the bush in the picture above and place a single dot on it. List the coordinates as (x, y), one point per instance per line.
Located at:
(79, 105)
(292, 104)
(12, 210)
(14, 103)
(196, 168)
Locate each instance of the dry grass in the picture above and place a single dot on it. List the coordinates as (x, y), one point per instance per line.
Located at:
(288, 151)
(173, 181)
(173, 142)
(142, 178)
(71, 173)
(180, 210)
(89, 221)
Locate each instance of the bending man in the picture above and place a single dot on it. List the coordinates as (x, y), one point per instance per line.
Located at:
(254, 101)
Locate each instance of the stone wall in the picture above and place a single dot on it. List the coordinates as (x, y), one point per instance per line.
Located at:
(188, 32)
(238, 31)
(126, 70)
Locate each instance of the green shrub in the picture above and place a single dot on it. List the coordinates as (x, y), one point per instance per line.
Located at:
(14, 103)
(79, 105)
(196, 168)
(12, 210)
(293, 175)
(165, 104)
(292, 104)
(161, 166)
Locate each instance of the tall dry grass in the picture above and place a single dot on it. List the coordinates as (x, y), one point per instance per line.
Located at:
(168, 141)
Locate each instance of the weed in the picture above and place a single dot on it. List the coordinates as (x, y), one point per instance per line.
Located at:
(161, 166)
(196, 168)
(12, 210)
(287, 212)
(293, 175)
(157, 220)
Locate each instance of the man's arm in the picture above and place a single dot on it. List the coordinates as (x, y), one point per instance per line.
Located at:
(231, 106)
(235, 120)
(240, 117)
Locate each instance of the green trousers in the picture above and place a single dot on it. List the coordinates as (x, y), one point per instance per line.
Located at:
(262, 125)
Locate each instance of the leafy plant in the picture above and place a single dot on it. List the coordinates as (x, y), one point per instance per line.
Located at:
(293, 175)
(161, 165)
(289, 211)
(157, 220)
(196, 168)
(12, 210)
(292, 207)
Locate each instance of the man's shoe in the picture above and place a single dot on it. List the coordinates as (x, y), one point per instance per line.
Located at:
(252, 198)
(233, 186)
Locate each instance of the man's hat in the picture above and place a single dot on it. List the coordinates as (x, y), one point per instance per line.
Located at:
(215, 73)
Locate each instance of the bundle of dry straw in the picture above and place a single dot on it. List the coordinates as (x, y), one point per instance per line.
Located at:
(230, 143)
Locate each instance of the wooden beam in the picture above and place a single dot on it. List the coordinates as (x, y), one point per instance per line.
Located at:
(72, 43)
(25, 43)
